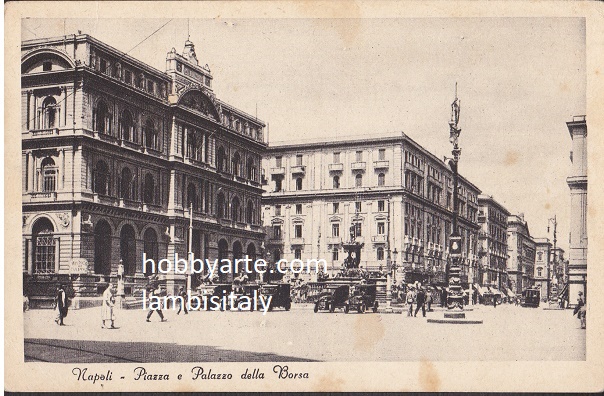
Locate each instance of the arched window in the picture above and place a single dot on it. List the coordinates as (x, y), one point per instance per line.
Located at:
(151, 140)
(127, 185)
(381, 180)
(101, 178)
(299, 184)
(251, 254)
(128, 249)
(358, 180)
(102, 248)
(44, 247)
(127, 130)
(150, 247)
(191, 196)
(251, 169)
(49, 175)
(380, 253)
(102, 118)
(223, 251)
(236, 210)
(220, 206)
(49, 113)
(149, 189)
(236, 164)
(250, 218)
(336, 182)
(221, 160)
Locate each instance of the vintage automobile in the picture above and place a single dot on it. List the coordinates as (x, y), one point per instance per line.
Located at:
(332, 297)
(280, 293)
(362, 297)
(209, 291)
(531, 298)
(245, 290)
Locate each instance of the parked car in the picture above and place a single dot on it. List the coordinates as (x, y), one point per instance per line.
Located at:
(362, 297)
(280, 293)
(332, 297)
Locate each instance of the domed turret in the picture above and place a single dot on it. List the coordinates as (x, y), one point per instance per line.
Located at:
(189, 52)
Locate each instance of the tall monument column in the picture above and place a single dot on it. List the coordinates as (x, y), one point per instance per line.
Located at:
(577, 182)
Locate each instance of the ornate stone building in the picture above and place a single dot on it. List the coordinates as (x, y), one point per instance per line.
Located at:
(521, 252)
(115, 153)
(577, 182)
(543, 266)
(395, 194)
(493, 250)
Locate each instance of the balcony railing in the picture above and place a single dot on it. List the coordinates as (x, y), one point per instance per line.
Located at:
(298, 169)
(44, 196)
(358, 166)
(278, 171)
(334, 240)
(382, 164)
(382, 238)
(45, 132)
(336, 167)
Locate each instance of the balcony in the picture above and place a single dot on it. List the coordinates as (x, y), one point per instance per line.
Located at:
(358, 166)
(297, 241)
(336, 167)
(44, 132)
(482, 217)
(278, 171)
(298, 170)
(43, 196)
(382, 238)
(276, 238)
(382, 164)
(336, 240)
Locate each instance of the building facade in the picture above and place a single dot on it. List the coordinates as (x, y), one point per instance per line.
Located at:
(521, 254)
(577, 182)
(115, 156)
(387, 193)
(493, 243)
(543, 266)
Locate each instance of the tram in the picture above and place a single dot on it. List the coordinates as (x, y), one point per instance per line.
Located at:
(531, 297)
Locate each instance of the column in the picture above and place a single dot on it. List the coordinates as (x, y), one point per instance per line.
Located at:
(204, 137)
(57, 255)
(31, 117)
(30, 258)
(62, 169)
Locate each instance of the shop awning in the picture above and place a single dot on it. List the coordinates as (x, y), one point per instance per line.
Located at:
(510, 293)
(481, 290)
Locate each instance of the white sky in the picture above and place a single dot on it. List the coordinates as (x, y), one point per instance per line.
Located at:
(520, 80)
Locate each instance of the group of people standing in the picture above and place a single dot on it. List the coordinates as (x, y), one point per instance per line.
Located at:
(418, 296)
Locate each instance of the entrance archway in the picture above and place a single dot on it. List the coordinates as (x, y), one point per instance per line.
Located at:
(128, 249)
(102, 248)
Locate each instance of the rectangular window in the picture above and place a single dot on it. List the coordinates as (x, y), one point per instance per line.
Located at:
(381, 228)
(298, 231)
(359, 156)
(336, 207)
(128, 77)
(357, 206)
(277, 210)
(298, 159)
(382, 154)
(298, 208)
(358, 229)
(335, 255)
(335, 230)
(278, 184)
(336, 158)
(381, 206)
(150, 86)
(277, 231)
(278, 162)
(298, 254)
(103, 65)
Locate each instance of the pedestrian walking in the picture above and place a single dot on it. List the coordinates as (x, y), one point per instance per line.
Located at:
(155, 307)
(420, 302)
(429, 300)
(182, 303)
(62, 304)
(107, 307)
(580, 310)
(410, 300)
(495, 301)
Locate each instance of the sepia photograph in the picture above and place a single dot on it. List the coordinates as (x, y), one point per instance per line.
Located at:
(236, 197)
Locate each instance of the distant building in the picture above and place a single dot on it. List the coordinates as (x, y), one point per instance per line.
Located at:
(114, 155)
(577, 182)
(521, 252)
(388, 193)
(543, 268)
(493, 243)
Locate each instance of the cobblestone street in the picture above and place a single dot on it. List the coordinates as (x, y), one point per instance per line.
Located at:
(509, 333)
